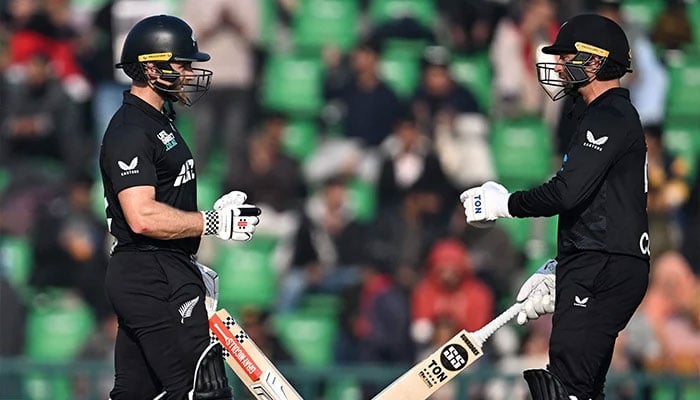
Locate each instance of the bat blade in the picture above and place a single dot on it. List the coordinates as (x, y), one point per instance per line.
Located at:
(435, 371)
(248, 362)
(445, 363)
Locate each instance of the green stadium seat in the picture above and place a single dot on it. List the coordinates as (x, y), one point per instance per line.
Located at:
(475, 73)
(407, 48)
(268, 23)
(293, 84)
(309, 338)
(319, 23)
(518, 230)
(642, 13)
(58, 328)
(684, 86)
(363, 199)
(343, 389)
(16, 257)
(682, 138)
(522, 152)
(209, 189)
(423, 10)
(301, 138)
(247, 276)
(400, 72)
(694, 15)
(321, 304)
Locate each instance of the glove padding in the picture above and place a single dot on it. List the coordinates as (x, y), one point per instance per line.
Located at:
(486, 203)
(231, 218)
(538, 293)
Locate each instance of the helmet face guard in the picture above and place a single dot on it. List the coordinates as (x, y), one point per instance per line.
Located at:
(174, 86)
(572, 74)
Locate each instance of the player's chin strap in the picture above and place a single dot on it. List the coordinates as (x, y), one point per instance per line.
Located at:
(210, 382)
(545, 386)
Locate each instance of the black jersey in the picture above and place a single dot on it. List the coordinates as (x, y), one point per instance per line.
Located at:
(600, 192)
(142, 147)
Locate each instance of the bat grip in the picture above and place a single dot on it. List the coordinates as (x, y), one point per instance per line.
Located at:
(484, 333)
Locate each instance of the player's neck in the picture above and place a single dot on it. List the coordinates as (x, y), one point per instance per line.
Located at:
(147, 94)
(596, 88)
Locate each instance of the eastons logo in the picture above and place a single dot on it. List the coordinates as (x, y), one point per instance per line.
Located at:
(130, 168)
(186, 173)
(594, 143)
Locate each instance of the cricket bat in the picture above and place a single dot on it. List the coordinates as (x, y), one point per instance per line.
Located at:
(248, 362)
(444, 364)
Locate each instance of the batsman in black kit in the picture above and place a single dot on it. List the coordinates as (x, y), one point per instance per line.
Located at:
(160, 293)
(600, 274)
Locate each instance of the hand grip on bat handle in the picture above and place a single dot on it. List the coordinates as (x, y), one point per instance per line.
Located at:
(484, 333)
(249, 211)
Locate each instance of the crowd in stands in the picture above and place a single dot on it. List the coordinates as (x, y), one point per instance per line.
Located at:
(354, 125)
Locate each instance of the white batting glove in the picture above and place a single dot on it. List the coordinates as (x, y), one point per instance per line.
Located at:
(485, 204)
(231, 218)
(231, 199)
(538, 293)
(231, 223)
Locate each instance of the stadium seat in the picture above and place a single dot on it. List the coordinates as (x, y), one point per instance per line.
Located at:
(247, 276)
(642, 13)
(683, 99)
(268, 23)
(363, 199)
(309, 338)
(522, 151)
(300, 138)
(682, 138)
(406, 48)
(58, 327)
(474, 72)
(518, 230)
(694, 15)
(321, 304)
(16, 259)
(293, 84)
(422, 10)
(209, 189)
(343, 389)
(400, 71)
(319, 23)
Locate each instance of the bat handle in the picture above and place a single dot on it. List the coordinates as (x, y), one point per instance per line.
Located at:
(484, 333)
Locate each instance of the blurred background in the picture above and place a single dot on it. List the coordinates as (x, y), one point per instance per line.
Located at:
(354, 124)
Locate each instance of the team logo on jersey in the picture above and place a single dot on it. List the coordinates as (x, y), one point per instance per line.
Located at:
(168, 139)
(186, 309)
(186, 173)
(580, 302)
(594, 143)
(130, 168)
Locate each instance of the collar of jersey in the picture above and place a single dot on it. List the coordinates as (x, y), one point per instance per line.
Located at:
(618, 91)
(145, 107)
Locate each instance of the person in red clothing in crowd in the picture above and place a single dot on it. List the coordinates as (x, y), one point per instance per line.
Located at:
(449, 290)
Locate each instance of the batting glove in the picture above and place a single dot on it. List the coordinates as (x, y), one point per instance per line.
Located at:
(538, 293)
(232, 223)
(486, 203)
(231, 199)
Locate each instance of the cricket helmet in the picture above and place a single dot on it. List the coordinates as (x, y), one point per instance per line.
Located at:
(161, 40)
(588, 37)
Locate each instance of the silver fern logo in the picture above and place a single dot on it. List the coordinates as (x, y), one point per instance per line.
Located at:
(186, 309)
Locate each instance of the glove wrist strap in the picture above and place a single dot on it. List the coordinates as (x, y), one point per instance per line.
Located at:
(212, 222)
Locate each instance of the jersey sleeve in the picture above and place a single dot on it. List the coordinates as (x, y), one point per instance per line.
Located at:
(129, 159)
(600, 139)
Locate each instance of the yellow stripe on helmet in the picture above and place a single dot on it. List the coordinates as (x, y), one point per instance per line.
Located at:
(155, 57)
(589, 48)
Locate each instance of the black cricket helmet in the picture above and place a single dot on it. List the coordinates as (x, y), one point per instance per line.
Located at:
(161, 40)
(588, 37)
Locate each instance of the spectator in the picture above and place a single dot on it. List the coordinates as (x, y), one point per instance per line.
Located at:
(40, 120)
(449, 290)
(407, 156)
(269, 176)
(648, 83)
(514, 52)
(672, 29)
(327, 247)
(406, 232)
(369, 106)
(691, 228)
(69, 246)
(470, 24)
(438, 92)
(668, 192)
(672, 309)
(229, 30)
